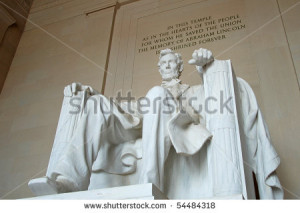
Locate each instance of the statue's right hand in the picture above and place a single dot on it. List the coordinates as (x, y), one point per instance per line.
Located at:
(72, 89)
(75, 87)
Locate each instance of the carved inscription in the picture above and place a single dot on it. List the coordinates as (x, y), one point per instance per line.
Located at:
(191, 33)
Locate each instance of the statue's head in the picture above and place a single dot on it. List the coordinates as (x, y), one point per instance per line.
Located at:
(170, 64)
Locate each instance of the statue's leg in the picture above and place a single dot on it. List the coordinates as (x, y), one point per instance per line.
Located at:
(156, 141)
(73, 170)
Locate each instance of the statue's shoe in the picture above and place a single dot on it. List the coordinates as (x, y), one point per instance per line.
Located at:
(43, 186)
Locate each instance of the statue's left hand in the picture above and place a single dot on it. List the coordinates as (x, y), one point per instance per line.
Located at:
(200, 58)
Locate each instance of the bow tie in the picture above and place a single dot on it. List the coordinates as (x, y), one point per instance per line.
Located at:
(170, 84)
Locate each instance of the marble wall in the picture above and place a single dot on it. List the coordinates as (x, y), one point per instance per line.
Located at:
(68, 41)
(290, 10)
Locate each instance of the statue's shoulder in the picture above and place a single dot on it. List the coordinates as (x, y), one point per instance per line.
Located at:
(195, 89)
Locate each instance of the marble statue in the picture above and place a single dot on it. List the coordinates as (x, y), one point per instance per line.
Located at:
(165, 139)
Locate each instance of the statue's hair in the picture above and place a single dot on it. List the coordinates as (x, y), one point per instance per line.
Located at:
(178, 58)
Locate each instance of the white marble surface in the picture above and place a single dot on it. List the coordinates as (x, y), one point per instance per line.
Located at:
(140, 191)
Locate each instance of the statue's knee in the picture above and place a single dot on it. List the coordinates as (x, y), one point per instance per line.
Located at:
(98, 104)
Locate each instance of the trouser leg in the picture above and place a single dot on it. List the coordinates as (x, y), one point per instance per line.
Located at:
(156, 141)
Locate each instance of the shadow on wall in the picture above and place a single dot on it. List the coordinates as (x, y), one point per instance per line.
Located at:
(13, 15)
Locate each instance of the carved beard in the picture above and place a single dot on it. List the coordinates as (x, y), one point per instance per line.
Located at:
(169, 76)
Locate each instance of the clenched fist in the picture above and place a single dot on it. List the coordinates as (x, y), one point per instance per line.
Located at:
(200, 58)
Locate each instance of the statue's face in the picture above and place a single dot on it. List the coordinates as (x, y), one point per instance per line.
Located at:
(168, 67)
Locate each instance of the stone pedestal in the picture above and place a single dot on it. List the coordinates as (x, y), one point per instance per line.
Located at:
(141, 191)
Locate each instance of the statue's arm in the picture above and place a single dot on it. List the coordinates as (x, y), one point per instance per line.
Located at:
(201, 58)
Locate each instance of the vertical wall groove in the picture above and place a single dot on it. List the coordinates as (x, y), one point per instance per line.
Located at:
(116, 7)
(288, 43)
